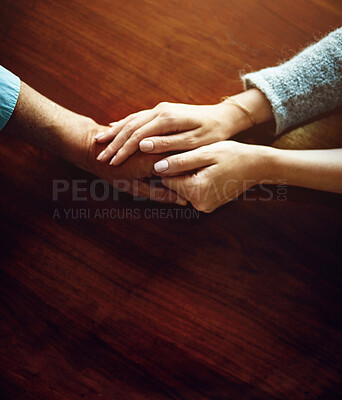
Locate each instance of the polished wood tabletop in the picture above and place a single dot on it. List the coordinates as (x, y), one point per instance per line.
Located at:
(129, 300)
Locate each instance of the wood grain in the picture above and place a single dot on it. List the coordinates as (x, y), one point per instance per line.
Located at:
(152, 302)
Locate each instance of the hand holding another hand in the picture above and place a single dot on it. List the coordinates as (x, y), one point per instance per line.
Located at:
(171, 127)
(214, 171)
(213, 175)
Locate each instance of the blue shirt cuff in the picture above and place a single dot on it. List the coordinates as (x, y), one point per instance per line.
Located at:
(9, 92)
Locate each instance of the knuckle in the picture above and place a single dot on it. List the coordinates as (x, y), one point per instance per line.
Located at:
(127, 120)
(129, 127)
(111, 147)
(166, 116)
(191, 141)
(202, 205)
(199, 205)
(203, 131)
(196, 192)
(195, 203)
(207, 153)
(180, 161)
(136, 137)
(199, 194)
(164, 142)
(162, 106)
(207, 210)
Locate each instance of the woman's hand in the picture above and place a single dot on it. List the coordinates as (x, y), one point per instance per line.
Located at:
(171, 127)
(214, 174)
(176, 127)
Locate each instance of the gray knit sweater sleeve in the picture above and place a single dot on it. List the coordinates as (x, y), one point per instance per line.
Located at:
(307, 85)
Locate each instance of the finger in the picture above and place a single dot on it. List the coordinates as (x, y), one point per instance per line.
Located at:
(127, 145)
(179, 184)
(164, 122)
(194, 188)
(125, 133)
(115, 128)
(184, 162)
(181, 141)
(132, 144)
(106, 135)
(167, 122)
(159, 125)
(160, 194)
(129, 117)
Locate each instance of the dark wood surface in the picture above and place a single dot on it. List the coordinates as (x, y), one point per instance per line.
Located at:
(244, 303)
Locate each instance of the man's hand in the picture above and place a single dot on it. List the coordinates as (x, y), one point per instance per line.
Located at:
(47, 125)
(132, 176)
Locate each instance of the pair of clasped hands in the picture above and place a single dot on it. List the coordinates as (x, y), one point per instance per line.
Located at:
(200, 164)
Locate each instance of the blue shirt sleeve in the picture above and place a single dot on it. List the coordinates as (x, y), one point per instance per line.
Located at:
(9, 92)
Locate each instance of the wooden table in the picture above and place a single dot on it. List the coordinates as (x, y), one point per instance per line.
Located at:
(150, 302)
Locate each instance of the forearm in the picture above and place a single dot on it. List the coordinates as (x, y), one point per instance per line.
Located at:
(43, 123)
(314, 169)
(305, 86)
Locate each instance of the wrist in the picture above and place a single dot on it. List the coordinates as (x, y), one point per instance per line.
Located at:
(87, 149)
(258, 106)
(262, 163)
(268, 166)
(235, 119)
(76, 134)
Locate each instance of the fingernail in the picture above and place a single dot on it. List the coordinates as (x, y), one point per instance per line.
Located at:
(101, 155)
(181, 202)
(99, 135)
(161, 166)
(146, 145)
(112, 160)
